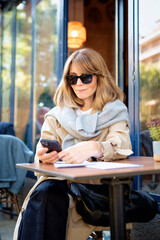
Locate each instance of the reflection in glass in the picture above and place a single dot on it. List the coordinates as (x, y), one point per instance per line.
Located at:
(6, 65)
(23, 68)
(16, 55)
(149, 68)
(45, 82)
(149, 44)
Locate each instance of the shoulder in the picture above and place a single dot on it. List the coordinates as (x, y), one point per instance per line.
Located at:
(120, 126)
(50, 118)
(52, 112)
(115, 104)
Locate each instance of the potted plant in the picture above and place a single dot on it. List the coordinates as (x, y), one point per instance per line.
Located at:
(154, 129)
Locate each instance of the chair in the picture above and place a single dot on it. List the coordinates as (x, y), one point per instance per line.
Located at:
(8, 201)
(13, 151)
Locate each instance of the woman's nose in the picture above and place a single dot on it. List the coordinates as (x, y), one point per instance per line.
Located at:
(79, 82)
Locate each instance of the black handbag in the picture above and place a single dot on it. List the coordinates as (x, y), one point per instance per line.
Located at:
(92, 203)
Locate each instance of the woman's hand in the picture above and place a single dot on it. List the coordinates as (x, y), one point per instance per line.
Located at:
(45, 157)
(81, 152)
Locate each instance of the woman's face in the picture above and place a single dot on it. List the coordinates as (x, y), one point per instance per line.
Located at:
(83, 91)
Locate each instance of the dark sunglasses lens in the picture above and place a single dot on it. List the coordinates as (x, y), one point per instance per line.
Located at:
(86, 78)
(71, 79)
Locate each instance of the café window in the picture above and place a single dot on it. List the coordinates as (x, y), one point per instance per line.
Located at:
(149, 77)
(29, 47)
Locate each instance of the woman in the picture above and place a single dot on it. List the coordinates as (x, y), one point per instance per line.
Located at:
(90, 122)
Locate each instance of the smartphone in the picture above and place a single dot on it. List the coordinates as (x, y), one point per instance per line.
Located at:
(52, 145)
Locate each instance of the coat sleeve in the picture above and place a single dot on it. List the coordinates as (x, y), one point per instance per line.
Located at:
(117, 144)
(49, 128)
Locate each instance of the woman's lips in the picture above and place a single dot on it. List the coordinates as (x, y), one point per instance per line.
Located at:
(80, 90)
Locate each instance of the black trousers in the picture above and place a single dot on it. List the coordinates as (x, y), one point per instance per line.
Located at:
(46, 214)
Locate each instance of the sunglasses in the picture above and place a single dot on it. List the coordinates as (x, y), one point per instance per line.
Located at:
(85, 78)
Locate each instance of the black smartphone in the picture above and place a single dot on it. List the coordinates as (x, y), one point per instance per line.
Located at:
(52, 145)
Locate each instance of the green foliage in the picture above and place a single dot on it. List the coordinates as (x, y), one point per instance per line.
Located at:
(150, 79)
(149, 93)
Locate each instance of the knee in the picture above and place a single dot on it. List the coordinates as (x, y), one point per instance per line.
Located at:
(45, 188)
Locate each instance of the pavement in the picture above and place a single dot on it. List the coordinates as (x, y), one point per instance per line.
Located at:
(7, 226)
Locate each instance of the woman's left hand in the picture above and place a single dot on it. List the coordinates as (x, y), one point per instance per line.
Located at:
(81, 152)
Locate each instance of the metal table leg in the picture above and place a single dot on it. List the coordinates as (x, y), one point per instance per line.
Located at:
(117, 207)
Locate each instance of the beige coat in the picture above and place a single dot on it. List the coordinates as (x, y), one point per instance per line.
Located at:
(115, 139)
(117, 145)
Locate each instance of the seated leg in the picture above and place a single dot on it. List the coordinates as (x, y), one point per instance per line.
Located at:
(46, 214)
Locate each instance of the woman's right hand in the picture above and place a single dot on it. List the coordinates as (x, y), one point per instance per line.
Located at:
(45, 157)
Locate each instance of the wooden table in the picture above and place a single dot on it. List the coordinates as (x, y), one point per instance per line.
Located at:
(115, 179)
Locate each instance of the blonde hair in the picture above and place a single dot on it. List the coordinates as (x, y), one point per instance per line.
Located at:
(88, 61)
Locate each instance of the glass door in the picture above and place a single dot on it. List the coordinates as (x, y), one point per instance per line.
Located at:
(33, 52)
(45, 64)
(6, 56)
(149, 77)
